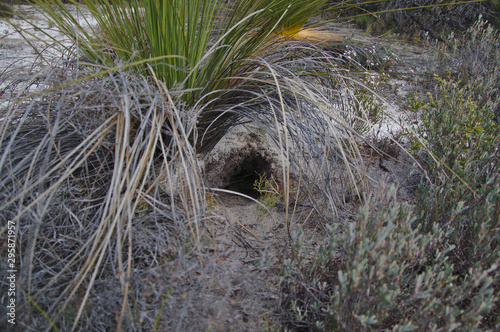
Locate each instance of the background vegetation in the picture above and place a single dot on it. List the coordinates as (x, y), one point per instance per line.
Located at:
(433, 265)
(433, 18)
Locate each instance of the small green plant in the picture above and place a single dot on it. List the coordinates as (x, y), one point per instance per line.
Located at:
(269, 193)
(415, 102)
(270, 325)
(211, 201)
(366, 107)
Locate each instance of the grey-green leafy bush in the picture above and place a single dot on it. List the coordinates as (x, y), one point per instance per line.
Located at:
(461, 130)
(386, 271)
(465, 190)
(471, 59)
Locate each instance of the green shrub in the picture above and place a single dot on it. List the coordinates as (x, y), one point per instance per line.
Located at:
(460, 129)
(432, 266)
(385, 271)
(5, 10)
(465, 190)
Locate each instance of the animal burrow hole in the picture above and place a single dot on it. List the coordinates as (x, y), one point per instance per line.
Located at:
(243, 170)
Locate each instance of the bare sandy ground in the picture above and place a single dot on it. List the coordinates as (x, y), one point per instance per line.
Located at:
(23, 40)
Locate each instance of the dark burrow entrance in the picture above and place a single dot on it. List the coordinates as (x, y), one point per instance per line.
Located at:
(245, 171)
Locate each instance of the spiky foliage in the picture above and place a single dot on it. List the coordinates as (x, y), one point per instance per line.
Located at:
(204, 47)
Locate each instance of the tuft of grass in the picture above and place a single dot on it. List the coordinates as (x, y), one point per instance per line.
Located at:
(75, 167)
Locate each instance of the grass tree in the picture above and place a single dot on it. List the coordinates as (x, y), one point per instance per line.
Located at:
(206, 48)
(192, 44)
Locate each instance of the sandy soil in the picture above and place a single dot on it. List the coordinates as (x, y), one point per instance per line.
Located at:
(24, 47)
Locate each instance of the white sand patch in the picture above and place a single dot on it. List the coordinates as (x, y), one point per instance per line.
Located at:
(28, 40)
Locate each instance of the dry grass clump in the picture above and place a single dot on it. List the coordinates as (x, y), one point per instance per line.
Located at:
(81, 180)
